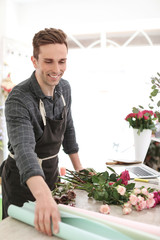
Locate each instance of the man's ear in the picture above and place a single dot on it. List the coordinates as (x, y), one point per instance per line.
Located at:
(34, 61)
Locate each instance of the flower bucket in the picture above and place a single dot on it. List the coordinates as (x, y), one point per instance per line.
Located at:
(141, 143)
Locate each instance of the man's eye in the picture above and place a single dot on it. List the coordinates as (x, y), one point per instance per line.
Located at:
(62, 61)
(48, 61)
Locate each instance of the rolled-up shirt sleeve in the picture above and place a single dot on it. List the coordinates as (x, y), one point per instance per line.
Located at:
(21, 137)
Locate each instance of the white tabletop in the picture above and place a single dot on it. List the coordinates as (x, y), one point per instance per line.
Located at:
(11, 229)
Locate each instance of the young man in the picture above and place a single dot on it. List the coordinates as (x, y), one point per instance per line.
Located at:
(39, 120)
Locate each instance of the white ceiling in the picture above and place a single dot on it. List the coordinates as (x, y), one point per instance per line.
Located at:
(81, 17)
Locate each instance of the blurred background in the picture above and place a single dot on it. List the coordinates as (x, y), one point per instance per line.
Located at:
(114, 49)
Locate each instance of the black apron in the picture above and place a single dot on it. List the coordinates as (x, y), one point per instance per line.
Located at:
(47, 148)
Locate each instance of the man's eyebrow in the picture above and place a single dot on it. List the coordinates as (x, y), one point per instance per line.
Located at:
(63, 59)
(53, 59)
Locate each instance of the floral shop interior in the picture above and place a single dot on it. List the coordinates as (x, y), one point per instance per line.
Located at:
(112, 57)
(112, 66)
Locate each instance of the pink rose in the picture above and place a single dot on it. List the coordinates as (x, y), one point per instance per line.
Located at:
(121, 190)
(140, 114)
(105, 209)
(150, 202)
(141, 205)
(127, 205)
(133, 199)
(126, 210)
(148, 112)
(136, 191)
(125, 177)
(146, 117)
(156, 198)
(140, 198)
(150, 195)
(111, 183)
(144, 191)
(155, 194)
(130, 116)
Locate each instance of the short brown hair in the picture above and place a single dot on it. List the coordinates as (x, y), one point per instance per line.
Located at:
(48, 36)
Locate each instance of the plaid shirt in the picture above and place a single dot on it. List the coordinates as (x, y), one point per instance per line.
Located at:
(25, 125)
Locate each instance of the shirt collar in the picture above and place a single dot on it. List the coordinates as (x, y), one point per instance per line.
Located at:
(36, 89)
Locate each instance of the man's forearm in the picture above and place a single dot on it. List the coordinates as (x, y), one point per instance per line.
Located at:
(38, 187)
(76, 161)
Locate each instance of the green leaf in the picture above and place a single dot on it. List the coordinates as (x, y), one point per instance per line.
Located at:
(100, 196)
(118, 182)
(85, 171)
(154, 93)
(158, 104)
(90, 194)
(152, 81)
(91, 170)
(113, 177)
(102, 179)
(106, 196)
(141, 106)
(154, 86)
(106, 175)
(95, 179)
(88, 187)
(158, 74)
(111, 169)
(130, 186)
(151, 107)
(135, 110)
(115, 194)
(95, 195)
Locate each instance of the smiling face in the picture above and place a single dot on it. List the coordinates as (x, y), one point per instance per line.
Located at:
(50, 66)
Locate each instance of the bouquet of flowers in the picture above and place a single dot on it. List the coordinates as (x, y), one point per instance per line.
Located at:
(112, 189)
(142, 119)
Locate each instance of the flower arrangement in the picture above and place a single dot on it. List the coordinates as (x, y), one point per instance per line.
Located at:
(142, 119)
(111, 189)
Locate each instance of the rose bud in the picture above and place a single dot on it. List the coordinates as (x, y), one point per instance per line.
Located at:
(62, 171)
(64, 199)
(57, 199)
(71, 194)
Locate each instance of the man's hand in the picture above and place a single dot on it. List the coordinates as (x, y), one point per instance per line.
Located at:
(46, 209)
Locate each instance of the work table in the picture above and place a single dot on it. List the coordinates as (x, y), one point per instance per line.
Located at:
(11, 229)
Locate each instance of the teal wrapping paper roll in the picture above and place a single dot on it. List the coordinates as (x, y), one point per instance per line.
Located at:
(121, 226)
(71, 226)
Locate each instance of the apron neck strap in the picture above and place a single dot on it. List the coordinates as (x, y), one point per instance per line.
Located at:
(42, 109)
(64, 103)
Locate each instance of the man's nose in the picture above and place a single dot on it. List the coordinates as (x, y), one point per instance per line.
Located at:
(55, 67)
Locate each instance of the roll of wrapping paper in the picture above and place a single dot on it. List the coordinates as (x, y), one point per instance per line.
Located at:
(71, 226)
(135, 230)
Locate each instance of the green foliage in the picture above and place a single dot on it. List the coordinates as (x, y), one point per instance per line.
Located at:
(101, 186)
(155, 89)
